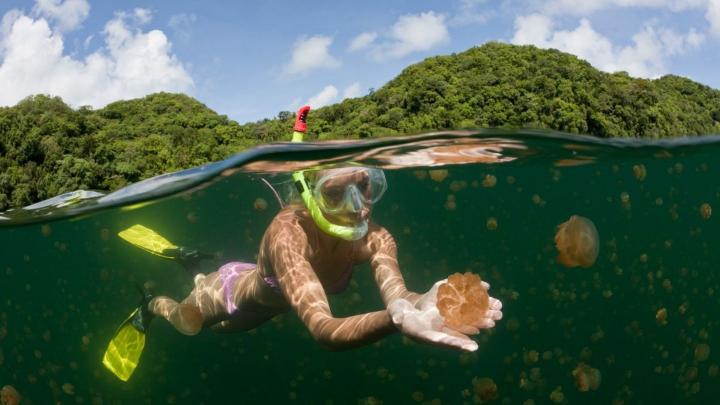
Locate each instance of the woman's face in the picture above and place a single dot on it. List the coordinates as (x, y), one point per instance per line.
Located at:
(346, 195)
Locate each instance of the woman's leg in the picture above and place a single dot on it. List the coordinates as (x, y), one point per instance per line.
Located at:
(231, 309)
(186, 318)
(189, 316)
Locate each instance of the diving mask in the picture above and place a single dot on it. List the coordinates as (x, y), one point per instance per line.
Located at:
(349, 189)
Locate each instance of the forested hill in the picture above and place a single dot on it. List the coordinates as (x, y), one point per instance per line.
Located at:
(47, 148)
(500, 85)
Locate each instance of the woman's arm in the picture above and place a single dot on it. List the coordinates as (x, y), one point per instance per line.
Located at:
(288, 255)
(382, 253)
(424, 325)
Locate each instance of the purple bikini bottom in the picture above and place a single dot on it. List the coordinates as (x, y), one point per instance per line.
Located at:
(229, 274)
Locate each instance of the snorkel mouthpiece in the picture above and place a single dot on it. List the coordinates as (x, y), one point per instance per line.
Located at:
(300, 126)
(301, 119)
(348, 233)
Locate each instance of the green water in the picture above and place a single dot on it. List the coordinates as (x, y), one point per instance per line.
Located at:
(65, 286)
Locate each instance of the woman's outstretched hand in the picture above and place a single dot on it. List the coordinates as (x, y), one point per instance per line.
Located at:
(424, 323)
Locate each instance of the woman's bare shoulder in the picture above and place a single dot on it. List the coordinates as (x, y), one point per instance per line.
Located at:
(291, 215)
(289, 226)
(285, 237)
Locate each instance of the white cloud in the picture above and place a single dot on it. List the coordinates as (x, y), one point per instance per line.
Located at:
(694, 39)
(362, 41)
(68, 14)
(586, 7)
(182, 20)
(646, 57)
(413, 33)
(472, 4)
(132, 64)
(310, 54)
(7, 23)
(471, 12)
(142, 15)
(88, 41)
(713, 17)
(326, 96)
(181, 25)
(532, 28)
(352, 91)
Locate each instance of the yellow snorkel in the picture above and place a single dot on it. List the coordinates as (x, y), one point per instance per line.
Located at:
(348, 233)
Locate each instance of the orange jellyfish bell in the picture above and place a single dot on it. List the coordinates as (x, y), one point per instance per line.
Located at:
(577, 242)
(462, 301)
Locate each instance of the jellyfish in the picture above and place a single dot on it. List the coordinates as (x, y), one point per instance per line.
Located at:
(706, 211)
(577, 242)
(557, 395)
(702, 352)
(9, 396)
(531, 357)
(457, 185)
(640, 172)
(46, 230)
(661, 316)
(485, 389)
(68, 389)
(489, 181)
(438, 175)
(462, 300)
(586, 378)
(713, 370)
(450, 204)
(260, 204)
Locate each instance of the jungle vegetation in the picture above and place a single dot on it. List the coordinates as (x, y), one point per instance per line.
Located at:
(48, 148)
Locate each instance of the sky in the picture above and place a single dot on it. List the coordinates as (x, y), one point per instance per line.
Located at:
(250, 60)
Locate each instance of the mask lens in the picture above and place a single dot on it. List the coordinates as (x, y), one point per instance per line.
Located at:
(349, 189)
(376, 185)
(332, 196)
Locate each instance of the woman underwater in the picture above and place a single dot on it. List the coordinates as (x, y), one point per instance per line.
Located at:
(308, 251)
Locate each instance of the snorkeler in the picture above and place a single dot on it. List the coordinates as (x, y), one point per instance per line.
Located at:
(308, 251)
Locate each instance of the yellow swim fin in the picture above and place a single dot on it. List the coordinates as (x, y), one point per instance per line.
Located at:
(149, 240)
(125, 348)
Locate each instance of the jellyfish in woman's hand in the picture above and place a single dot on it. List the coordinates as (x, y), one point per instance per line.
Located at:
(577, 242)
(462, 301)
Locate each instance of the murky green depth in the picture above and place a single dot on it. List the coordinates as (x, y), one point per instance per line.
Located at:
(66, 285)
